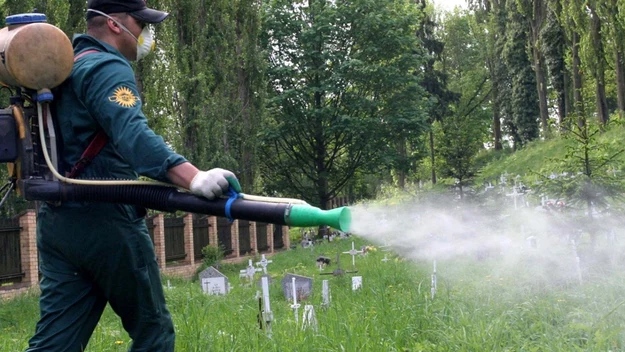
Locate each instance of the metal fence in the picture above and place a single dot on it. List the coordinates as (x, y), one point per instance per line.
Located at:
(149, 222)
(200, 235)
(174, 239)
(261, 236)
(278, 241)
(224, 235)
(245, 243)
(10, 256)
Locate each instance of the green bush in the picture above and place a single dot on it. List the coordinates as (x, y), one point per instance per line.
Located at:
(212, 255)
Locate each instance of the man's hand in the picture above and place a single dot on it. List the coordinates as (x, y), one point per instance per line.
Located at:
(213, 183)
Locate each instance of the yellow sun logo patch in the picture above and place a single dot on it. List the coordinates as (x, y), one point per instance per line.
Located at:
(124, 97)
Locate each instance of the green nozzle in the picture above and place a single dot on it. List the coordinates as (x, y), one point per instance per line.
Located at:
(306, 216)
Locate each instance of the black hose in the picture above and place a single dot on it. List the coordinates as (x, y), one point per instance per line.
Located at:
(161, 198)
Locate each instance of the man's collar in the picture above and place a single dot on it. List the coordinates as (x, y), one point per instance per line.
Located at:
(82, 42)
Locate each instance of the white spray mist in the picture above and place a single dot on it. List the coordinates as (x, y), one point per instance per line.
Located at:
(530, 239)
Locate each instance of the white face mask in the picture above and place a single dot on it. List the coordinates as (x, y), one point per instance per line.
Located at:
(145, 42)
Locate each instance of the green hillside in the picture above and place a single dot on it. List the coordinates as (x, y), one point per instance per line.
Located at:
(544, 157)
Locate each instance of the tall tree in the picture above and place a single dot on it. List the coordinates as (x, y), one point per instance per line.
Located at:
(572, 18)
(492, 16)
(553, 46)
(434, 79)
(343, 88)
(199, 91)
(598, 64)
(537, 15)
(465, 130)
(615, 16)
(250, 78)
(525, 110)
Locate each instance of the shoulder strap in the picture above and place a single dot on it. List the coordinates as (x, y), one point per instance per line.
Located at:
(86, 52)
(97, 143)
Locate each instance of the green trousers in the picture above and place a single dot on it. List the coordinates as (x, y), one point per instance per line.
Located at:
(91, 255)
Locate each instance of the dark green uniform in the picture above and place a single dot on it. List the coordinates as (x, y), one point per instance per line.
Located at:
(93, 254)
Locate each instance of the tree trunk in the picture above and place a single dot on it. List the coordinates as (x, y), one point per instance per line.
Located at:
(619, 54)
(497, 125)
(539, 67)
(433, 157)
(596, 38)
(564, 100)
(578, 102)
(247, 167)
(620, 80)
(401, 174)
(541, 87)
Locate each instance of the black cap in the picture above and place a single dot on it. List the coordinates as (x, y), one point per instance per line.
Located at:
(136, 8)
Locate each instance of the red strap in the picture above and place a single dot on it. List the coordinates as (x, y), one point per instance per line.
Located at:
(97, 143)
(85, 53)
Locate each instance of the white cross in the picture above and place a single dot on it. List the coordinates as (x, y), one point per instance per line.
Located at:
(295, 306)
(267, 314)
(353, 252)
(264, 262)
(250, 271)
(515, 194)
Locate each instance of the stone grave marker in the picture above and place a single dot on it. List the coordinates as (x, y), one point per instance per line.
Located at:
(532, 242)
(325, 294)
(302, 287)
(266, 314)
(356, 283)
(309, 319)
(214, 282)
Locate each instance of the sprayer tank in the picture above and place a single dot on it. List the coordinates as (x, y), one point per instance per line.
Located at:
(34, 54)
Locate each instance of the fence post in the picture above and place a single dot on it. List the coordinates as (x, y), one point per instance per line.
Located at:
(189, 249)
(159, 240)
(28, 248)
(212, 231)
(234, 233)
(253, 237)
(270, 238)
(286, 239)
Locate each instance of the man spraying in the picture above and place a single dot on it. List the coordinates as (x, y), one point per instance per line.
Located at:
(92, 254)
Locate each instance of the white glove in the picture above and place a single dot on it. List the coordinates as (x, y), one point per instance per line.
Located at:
(212, 183)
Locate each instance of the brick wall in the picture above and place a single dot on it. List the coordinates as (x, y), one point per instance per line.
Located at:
(28, 248)
(234, 233)
(186, 269)
(159, 240)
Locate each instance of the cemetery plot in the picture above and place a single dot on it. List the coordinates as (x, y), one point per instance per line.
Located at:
(213, 282)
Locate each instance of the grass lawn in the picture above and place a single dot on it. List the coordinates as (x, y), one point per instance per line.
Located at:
(476, 308)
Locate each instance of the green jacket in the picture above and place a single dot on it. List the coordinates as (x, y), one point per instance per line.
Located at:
(102, 91)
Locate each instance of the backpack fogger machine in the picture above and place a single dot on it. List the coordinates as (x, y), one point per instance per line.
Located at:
(36, 58)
